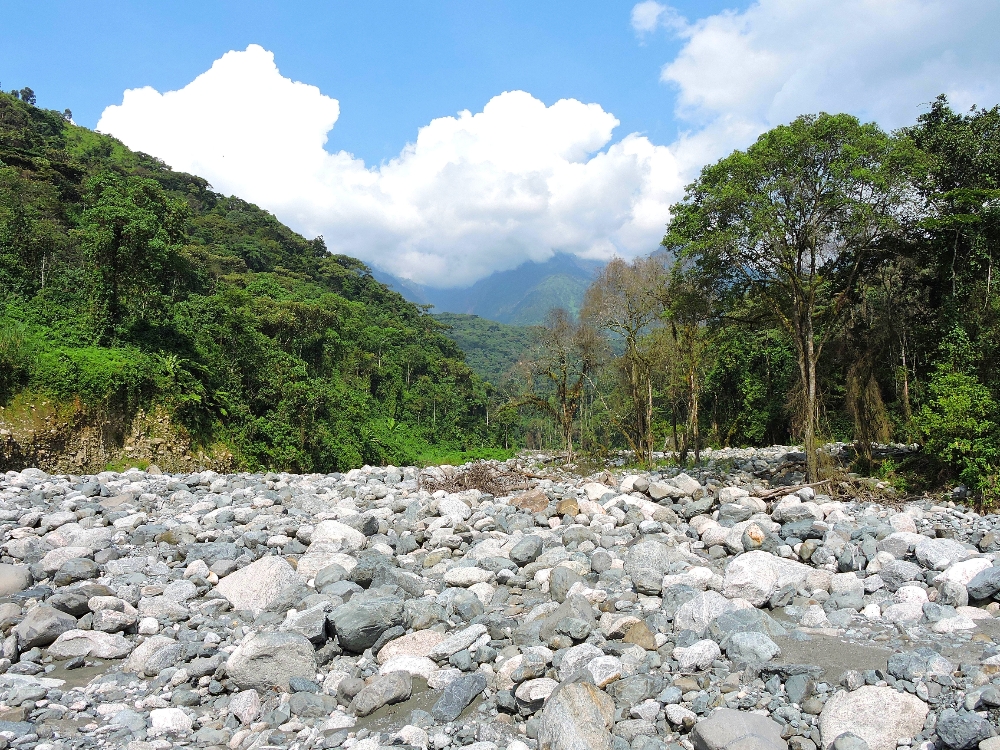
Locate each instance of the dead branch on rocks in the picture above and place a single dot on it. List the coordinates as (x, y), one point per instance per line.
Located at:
(486, 476)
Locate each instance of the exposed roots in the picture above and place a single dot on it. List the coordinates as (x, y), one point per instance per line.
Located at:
(843, 486)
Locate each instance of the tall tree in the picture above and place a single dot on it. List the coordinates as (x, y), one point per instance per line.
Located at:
(687, 308)
(794, 220)
(960, 310)
(626, 299)
(566, 355)
(127, 227)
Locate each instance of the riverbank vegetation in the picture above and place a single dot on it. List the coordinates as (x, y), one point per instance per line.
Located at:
(831, 281)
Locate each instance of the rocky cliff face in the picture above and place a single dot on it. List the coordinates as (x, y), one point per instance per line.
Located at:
(76, 438)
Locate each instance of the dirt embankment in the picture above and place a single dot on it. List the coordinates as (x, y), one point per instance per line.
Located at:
(36, 431)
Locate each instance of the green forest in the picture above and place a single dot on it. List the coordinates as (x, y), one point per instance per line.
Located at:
(833, 281)
(125, 284)
(491, 349)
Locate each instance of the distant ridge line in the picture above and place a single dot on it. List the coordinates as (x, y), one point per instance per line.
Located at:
(520, 296)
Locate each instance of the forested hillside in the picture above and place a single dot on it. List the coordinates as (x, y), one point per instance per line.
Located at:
(129, 290)
(491, 349)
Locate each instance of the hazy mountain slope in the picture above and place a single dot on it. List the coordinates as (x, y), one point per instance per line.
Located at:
(521, 296)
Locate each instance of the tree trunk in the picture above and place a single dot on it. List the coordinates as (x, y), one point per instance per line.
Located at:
(637, 402)
(804, 349)
(567, 428)
(693, 413)
(673, 424)
(649, 421)
(907, 409)
(812, 468)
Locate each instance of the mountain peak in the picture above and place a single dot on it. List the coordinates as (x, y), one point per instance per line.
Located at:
(521, 296)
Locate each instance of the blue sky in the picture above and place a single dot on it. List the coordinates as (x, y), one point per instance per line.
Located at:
(442, 141)
(392, 65)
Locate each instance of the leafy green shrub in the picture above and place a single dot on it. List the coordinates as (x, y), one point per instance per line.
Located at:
(95, 374)
(958, 420)
(17, 354)
(439, 455)
(989, 486)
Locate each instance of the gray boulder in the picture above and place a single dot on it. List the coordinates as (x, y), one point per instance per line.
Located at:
(963, 731)
(674, 596)
(922, 662)
(14, 578)
(749, 648)
(267, 585)
(757, 575)
(798, 687)
(465, 604)
(744, 621)
(212, 552)
(76, 569)
(129, 719)
(310, 623)
(577, 716)
(392, 688)
(268, 660)
(898, 573)
(42, 625)
(633, 690)
(953, 594)
(646, 564)
(154, 655)
(727, 728)
(561, 581)
(985, 584)
(698, 612)
(938, 554)
(457, 695)
(74, 643)
(849, 741)
(332, 573)
(359, 623)
(527, 550)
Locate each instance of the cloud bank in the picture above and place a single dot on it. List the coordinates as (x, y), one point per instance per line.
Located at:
(481, 192)
(738, 74)
(473, 194)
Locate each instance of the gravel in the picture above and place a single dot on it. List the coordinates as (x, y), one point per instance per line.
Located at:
(395, 606)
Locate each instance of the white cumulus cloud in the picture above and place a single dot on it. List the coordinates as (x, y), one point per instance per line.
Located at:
(740, 73)
(480, 192)
(474, 193)
(648, 16)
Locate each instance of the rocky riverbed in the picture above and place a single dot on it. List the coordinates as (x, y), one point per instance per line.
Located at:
(495, 607)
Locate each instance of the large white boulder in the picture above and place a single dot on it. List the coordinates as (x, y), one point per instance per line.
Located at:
(336, 532)
(878, 715)
(267, 584)
(755, 576)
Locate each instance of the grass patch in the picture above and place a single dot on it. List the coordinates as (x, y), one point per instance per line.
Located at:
(125, 464)
(432, 457)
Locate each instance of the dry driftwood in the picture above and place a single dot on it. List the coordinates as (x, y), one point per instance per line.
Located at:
(790, 490)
